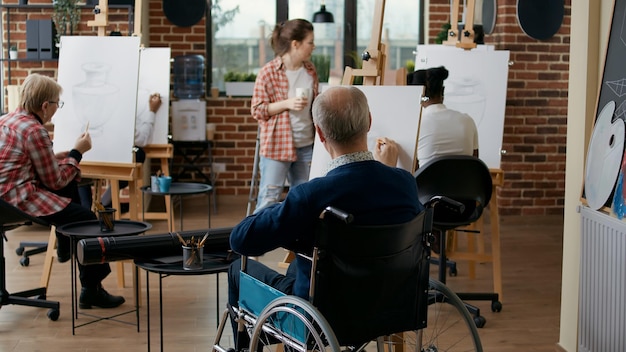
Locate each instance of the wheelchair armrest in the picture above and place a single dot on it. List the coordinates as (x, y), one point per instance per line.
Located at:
(337, 213)
(446, 202)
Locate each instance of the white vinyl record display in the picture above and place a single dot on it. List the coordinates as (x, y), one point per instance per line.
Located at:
(604, 157)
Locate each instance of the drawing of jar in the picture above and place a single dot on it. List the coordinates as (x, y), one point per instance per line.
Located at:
(95, 99)
(466, 95)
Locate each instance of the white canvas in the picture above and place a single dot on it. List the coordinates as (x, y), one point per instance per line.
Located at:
(154, 77)
(99, 76)
(395, 114)
(476, 85)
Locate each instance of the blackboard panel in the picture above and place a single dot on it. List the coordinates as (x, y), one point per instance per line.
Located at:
(601, 155)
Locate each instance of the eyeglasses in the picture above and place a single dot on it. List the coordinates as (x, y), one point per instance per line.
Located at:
(59, 103)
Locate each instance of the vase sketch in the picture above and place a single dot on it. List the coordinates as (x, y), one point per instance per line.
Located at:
(466, 95)
(95, 99)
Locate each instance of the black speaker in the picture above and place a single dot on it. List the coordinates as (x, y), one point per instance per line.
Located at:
(47, 34)
(32, 39)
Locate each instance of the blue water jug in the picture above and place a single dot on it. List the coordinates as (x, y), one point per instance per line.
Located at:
(189, 77)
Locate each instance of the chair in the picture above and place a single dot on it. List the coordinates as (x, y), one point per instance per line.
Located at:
(465, 179)
(369, 283)
(11, 218)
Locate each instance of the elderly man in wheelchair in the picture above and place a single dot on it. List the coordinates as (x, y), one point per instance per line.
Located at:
(360, 276)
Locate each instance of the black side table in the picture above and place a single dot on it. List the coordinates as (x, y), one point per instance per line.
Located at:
(213, 263)
(91, 229)
(180, 189)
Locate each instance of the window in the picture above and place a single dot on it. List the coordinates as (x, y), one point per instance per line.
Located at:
(240, 41)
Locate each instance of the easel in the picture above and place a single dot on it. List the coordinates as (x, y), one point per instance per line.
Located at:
(466, 40)
(113, 172)
(163, 152)
(374, 57)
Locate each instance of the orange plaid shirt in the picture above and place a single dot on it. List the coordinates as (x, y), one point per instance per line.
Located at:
(271, 86)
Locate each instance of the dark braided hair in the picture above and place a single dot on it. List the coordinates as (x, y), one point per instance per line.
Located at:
(432, 80)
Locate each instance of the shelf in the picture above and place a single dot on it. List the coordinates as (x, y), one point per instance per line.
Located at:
(27, 60)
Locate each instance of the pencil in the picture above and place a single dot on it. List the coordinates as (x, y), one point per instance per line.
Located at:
(87, 128)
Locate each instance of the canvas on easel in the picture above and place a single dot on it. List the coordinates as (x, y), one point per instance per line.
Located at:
(476, 85)
(99, 76)
(395, 114)
(154, 77)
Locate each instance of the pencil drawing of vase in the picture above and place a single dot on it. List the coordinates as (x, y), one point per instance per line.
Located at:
(466, 95)
(95, 99)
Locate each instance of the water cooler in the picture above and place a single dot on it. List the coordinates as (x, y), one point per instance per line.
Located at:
(189, 111)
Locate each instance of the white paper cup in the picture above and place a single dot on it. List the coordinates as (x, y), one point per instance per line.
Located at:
(303, 92)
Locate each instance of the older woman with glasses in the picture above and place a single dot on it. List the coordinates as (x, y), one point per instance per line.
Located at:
(44, 185)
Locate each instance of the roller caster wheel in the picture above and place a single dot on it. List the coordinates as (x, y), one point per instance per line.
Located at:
(480, 321)
(19, 250)
(53, 314)
(24, 261)
(453, 271)
(496, 306)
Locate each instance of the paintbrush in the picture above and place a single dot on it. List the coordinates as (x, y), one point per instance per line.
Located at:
(87, 127)
(201, 244)
(180, 238)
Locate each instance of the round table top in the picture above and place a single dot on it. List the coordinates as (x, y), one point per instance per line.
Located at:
(91, 228)
(173, 265)
(181, 188)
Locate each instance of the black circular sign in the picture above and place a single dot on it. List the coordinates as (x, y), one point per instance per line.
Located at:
(540, 19)
(184, 13)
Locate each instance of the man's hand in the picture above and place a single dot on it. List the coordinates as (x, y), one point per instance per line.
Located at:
(386, 151)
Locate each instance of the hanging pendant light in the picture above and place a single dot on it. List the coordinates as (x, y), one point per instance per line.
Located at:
(323, 16)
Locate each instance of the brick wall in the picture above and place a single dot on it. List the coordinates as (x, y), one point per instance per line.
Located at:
(536, 109)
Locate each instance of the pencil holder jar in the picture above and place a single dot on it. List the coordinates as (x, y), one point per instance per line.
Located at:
(106, 218)
(192, 257)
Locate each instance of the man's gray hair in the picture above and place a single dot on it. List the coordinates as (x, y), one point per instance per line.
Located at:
(342, 113)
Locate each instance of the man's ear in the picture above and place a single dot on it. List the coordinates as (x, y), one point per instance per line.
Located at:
(320, 133)
(370, 126)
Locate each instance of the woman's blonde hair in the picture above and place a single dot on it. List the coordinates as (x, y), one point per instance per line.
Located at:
(36, 90)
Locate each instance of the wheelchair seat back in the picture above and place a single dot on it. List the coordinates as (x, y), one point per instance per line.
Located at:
(371, 281)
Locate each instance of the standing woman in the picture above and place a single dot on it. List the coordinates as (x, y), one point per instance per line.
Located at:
(286, 125)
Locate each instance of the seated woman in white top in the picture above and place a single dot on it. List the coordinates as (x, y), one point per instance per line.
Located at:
(442, 131)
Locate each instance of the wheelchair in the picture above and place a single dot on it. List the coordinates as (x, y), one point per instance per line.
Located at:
(369, 284)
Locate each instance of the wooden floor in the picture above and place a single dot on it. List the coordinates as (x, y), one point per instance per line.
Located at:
(529, 321)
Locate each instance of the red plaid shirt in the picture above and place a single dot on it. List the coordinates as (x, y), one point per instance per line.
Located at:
(272, 86)
(28, 166)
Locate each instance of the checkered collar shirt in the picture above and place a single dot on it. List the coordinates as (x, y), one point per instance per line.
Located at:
(348, 159)
(275, 131)
(29, 167)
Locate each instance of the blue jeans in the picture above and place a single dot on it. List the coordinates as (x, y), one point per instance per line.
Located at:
(274, 173)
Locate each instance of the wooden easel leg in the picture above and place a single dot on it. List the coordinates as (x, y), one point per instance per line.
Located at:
(495, 244)
(50, 255)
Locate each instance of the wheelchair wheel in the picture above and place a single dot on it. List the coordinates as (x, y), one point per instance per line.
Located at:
(296, 324)
(450, 327)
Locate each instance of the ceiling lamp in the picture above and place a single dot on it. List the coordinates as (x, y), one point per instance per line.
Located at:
(323, 16)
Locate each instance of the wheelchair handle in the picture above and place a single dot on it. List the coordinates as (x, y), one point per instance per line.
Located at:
(337, 213)
(446, 202)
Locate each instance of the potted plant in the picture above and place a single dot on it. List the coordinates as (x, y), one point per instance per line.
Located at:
(13, 52)
(66, 15)
(239, 84)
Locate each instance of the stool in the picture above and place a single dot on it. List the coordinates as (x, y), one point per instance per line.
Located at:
(11, 218)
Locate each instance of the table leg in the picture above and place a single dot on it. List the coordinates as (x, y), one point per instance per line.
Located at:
(148, 306)
(137, 295)
(161, 308)
(73, 283)
(180, 207)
